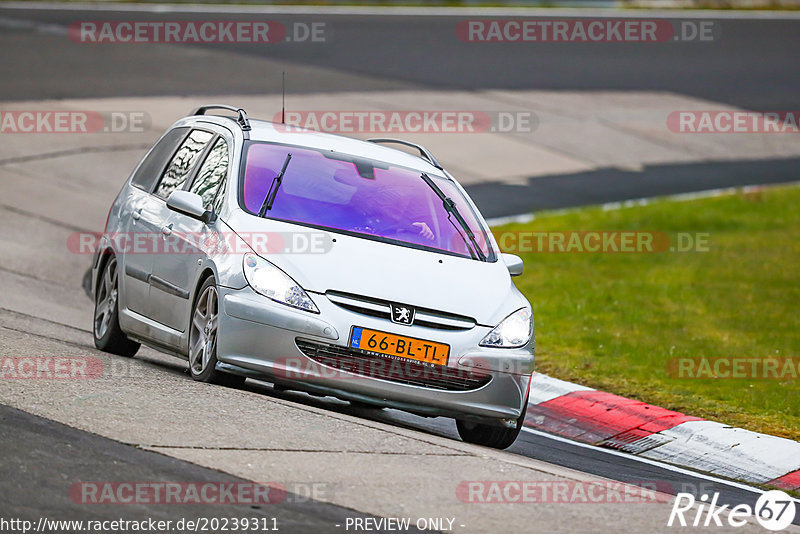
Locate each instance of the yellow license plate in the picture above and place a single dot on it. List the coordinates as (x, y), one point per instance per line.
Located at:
(402, 347)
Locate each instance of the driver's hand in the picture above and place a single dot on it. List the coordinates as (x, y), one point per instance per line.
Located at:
(424, 231)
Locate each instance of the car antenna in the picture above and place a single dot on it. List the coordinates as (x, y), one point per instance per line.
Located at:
(283, 97)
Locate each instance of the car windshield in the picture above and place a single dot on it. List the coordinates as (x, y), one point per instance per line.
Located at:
(362, 197)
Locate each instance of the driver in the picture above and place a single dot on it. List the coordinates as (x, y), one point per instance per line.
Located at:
(397, 207)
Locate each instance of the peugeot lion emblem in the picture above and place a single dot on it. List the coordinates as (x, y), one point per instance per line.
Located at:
(402, 314)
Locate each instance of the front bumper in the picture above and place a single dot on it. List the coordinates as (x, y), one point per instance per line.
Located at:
(259, 337)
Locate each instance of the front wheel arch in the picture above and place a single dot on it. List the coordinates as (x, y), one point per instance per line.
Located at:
(207, 273)
(208, 373)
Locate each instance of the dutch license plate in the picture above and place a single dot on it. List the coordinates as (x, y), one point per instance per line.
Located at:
(395, 346)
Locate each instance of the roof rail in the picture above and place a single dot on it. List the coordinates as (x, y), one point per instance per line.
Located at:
(242, 120)
(424, 152)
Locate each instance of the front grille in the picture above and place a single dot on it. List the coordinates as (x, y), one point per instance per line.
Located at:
(384, 368)
(381, 308)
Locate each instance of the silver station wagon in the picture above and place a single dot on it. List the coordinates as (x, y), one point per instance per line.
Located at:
(320, 263)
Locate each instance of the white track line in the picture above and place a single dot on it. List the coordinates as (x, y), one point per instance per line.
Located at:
(668, 467)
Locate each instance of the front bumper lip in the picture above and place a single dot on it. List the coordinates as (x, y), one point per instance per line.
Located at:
(474, 410)
(257, 338)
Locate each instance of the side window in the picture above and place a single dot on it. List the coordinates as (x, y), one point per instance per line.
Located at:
(210, 180)
(180, 166)
(155, 161)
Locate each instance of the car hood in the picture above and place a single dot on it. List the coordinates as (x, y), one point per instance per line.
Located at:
(480, 290)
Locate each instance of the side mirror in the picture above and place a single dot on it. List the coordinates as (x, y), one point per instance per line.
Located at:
(513, 263)
(189, 204)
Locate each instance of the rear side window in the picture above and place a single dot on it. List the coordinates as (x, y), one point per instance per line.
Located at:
(181, 165)
(155, 161)
(210, 180)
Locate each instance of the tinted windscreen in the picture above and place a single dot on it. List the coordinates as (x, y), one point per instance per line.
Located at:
(358, 196)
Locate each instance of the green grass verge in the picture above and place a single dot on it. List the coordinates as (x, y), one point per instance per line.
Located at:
(613, 321)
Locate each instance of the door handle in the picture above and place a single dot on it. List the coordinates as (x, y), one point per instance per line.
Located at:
(166, 230)
(137, 214)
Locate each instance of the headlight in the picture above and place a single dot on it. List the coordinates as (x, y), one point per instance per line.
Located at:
(513, 331)
(271, 282)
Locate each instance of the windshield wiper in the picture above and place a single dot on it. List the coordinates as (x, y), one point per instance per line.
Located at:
(273, 188)
(452, 210)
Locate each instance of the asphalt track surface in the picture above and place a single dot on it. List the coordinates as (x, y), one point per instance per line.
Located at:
(754, 65)
(31, 490)
(603, 186)
(37, 449)
(567, 454)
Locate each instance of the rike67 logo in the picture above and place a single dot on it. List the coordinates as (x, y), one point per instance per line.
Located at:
(774, 510)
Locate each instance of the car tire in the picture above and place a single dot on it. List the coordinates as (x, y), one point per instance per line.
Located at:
(203, 325)
(497, 437)
(107, 334)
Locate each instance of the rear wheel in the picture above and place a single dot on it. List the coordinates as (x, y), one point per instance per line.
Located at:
(108, 336)
(497, 437)
(203, 338)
